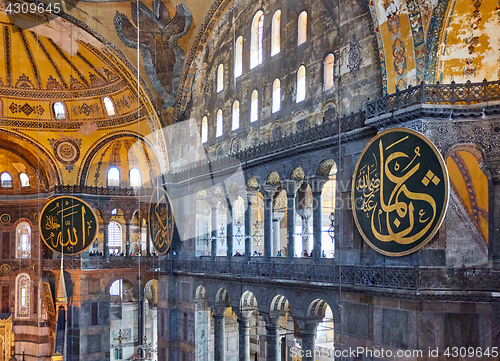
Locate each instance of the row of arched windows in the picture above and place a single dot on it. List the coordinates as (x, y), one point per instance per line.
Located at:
(6, 180)
(113, 177)
(60, 110)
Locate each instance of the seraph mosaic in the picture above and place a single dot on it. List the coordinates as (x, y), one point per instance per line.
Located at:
(158, 35)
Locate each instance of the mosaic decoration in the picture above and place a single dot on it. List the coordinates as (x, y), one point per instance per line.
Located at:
(354, 56)
(5, 218)
(161, 221)
(297, 174)
(471, 40)
(5, 268)
(114, 159)
(24, 82)
(158, 40)
(99, 165)
(26, 109)
(417, 29)
(380, 42)
(68, 225)
(400, 192)
(53, 85)
(86, 109)
(66, 151)
(398, 48)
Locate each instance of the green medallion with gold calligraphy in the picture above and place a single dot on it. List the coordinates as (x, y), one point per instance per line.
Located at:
(400, 192)
(161, 221)
(68, 225)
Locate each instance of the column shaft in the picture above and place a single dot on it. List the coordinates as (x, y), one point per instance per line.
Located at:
(128, 244)
(215, 231)
(317, 229)
(308, 343)
(105, 249)
(276, 233)
(249, 228)
(219, 338)
(268, 227)
(273, 340)
(229, 231)
(244, 333)
(290, 219)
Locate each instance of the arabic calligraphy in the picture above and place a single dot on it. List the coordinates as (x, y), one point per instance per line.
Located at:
(161, 221)
(400, 192)
(68, 225)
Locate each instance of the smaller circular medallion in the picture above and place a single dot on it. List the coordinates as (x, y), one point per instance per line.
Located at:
(5, 268)
(5, 218)
(66, 151)
(35, 267)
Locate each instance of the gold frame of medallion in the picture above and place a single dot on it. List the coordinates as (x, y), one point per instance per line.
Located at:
(446, 185)
(149, 222)
(81, 200)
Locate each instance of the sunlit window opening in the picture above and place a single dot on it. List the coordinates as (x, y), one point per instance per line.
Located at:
(114, 237)
(116, 288)
(256, 40)
(23, 295)
(275, 33)
(302, 28)
(59, 112)
(135, 178)
(204, 129)
(301, 83)
(276, 95)
(110, 108)
(238, 57)
(24, 180)
(113, 177)
(254, 106)
(23, 238)
(6, 180)
(114, 212)
(236, 115)
(220, 123)
(220, 78)
(328, 72)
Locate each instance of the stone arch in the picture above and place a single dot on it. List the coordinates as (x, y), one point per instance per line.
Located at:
(222, 297)
(252, 184)
(297, 174)
(200, 293)
(324, 167)
(273, 178)
(279, 303)
(125, 278)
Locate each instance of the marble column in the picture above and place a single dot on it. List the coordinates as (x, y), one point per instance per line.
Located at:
(214, 206)
(105, 239)
(127, 239)
(249, 226)
(273, 339)
(268, 225)
(309, 340)
(305, 233)
(290, 225)
(244, 340)
(317, 226)
(229, 231)
(219, 338)
(277, 217)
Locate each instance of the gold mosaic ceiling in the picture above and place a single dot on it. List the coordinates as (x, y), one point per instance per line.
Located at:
(36, 71)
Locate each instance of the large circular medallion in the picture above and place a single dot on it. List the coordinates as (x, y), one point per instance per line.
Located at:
(68, 225)
(400, 192)
(161, 221)
(67, 151)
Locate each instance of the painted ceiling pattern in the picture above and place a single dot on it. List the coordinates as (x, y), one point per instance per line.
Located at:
(35, 72)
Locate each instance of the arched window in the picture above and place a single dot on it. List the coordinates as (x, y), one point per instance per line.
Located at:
(276, 95)
(23, 295)
(6, 180)
(238, 57)
(236, 115)
(110, 108)
(254, 106)
(302, 28)
(220, 123)
(301, 83)
(59, 112)
(328, 72)
(114, 238)
(275, 33)
(24, 180)
(135, 178)
(220, 78)
(116, 288)
(114, 211)
(204, 130)
(256, 40)
(23, 240)
(113, 177)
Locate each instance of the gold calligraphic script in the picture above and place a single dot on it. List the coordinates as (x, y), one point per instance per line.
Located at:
(400, 192)
(161, 221)
(68, 225)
